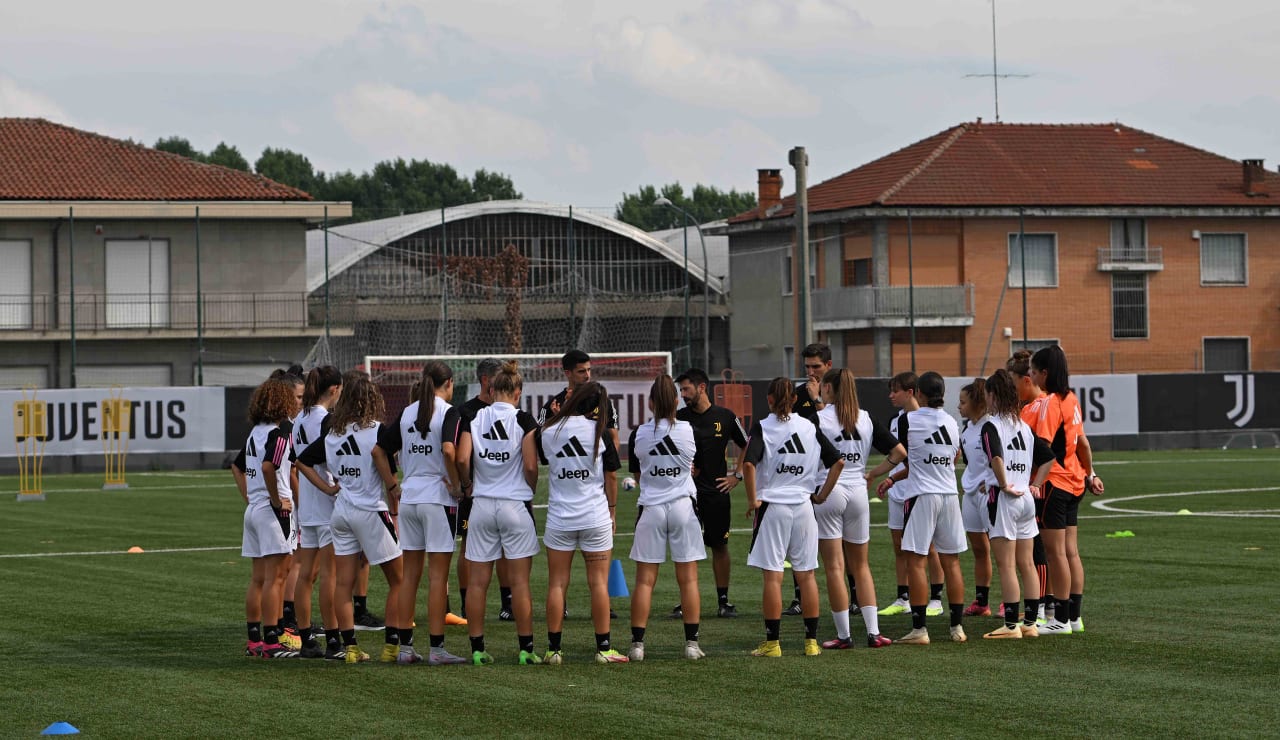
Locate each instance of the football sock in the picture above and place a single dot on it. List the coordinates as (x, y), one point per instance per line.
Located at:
(504, 594)
(602, 642)
(918, 616)
(691, 631)
(984, 594)
(305, 635)
(288, 617)
(332, 637)
(1031, 611)
(255, 631)
(771, 627)
(437, 641)
(361, 605)
(841, 619)
(392, 636)
(853, 591)
(811, 627)
(1011, 613)
(553, 640)
(871, 618)
(637, 634)
(477, 644)
(957, 614)
(406, 637)
(462, 596)
(526, 642)
(272, 634)
(1076, 600)
(904, 593)
(348, 637)
(1062, 612)
(797, 587)
(935, 591)
(722, 595)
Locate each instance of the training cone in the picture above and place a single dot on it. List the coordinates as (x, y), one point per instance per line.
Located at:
(135, 548)
(617, 580)
(60, 728)
(1183, 512)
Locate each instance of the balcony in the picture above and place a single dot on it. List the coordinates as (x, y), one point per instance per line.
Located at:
(1150, 259)
(99, 315)
(866, 307)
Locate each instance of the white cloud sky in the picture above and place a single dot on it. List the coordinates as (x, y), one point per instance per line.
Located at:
(579, 101)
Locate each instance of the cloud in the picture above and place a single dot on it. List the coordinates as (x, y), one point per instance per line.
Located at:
(578, 156)
(18, 102)
(663, 62)
(393, 122)
(725, 157)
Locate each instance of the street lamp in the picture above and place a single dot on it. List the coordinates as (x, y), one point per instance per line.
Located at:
(706, 315)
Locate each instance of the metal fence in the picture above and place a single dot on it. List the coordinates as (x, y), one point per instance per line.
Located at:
(97, 312)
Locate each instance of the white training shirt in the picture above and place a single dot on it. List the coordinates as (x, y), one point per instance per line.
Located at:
(790, 457)
(315, 508)
(1018, 445)
(575, 477)
(497, 459)
(901, 489)
(266, 442)
(977, 476)
(422, 456)
(855, 446)
(349, 456)
(662, 454)
(932, 440)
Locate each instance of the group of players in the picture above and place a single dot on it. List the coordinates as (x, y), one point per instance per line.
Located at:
(472, 469)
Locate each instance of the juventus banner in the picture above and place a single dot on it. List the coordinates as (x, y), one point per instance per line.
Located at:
(160, 420)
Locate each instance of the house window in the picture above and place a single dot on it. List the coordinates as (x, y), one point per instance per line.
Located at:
(1226, 354)
(1031, 344)
(1129, 305)
(15, 284)
(1223, 259)
(137, 283)
(1042, 260)
(1129, 239)
(856, 272)
(788, 360)
(788, 274)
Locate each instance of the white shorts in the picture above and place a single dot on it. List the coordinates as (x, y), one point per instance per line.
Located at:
(360, 530)
(1015, 517)
(895, 515)
(674, 523)
(845, 515)
(501, 528)
(592, 539)
(314, 536)
(784, 532)
(264, 533)
(427, 527)
(934, 518)
(973, 510)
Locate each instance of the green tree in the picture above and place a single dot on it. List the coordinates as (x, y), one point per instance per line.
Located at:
(487, 185)
(180, 146)
(289, 168)
(228, 156)
(706, 203)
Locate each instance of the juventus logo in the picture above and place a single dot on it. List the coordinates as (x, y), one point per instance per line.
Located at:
(940, 437)
(793, 446)
(572, 448)
(666, 447)
(1017, 443)
(496, 432)
(1242, 413)
(349, 447)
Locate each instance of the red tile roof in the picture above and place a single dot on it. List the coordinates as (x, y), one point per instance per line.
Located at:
(41, 160)
(1012, 164)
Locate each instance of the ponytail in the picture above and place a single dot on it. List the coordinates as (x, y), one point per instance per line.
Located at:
(845, 389)
(434, 375)
(586, 399)
(663, 396)
(781, 398)
(318, 382)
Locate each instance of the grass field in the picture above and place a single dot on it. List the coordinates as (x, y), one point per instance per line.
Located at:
(1181, 639)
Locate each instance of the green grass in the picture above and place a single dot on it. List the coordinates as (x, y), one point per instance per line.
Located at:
(1181, 635)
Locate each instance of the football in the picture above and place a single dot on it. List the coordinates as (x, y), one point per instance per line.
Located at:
(628, 483)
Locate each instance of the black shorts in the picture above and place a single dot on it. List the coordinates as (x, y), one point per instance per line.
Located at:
(713, 512)
(1061, 508)
(464, 514)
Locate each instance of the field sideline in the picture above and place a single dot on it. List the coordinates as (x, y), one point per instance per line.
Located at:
(1180, 633)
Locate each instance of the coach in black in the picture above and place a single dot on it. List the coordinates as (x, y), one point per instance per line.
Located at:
(713, 428)
(817, 361)
(577, 372)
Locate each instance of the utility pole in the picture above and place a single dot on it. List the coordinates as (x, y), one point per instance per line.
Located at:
(800, 161)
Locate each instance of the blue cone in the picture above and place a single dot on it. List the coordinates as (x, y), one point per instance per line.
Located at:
(60, 728)
(617, 580)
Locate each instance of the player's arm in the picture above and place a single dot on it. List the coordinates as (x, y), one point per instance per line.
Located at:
(751, 457)
(462, 458)
(1042, 460)
(306, 462)
(382, 466)
(739, 438)
(901, 475)
(529, 448)
(1084, 453)
(612, 463)
(237, 472)
(272, 458)
(835, 466)
(889, 446)
(453, 424)
(989, 438)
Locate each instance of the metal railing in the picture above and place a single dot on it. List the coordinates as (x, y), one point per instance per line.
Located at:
(1111, 258)
(893, 304)
(139, 311)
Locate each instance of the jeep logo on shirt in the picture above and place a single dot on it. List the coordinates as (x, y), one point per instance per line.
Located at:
(495, 456)
(938, 460)
(852, 457)
(1016, 467)
(349, 472)
(666, 472)
(566, 473)
(417, 449)
(251, 473)
(792, 469)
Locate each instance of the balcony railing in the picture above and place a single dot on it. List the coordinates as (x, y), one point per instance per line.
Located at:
(1150, 259)
(95, 312)
(873, 306)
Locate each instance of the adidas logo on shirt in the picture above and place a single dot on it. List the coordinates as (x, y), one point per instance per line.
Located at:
(349, 447)
(792, 447)
(572, 448)
(1017, 443)
(496, 432)
(666, 447)
(253, 448)
(302, 436)
(940, 437)
(848, 436)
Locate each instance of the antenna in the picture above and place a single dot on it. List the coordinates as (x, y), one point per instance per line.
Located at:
(995, 68)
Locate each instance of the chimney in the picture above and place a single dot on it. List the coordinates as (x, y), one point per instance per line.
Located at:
(769, 196)
(1255, 178)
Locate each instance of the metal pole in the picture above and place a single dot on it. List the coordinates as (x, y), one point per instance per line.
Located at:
(199, 310)
(688, 357)
(573, 286)
(71, 252)
(800, 161)
(325, 226)
(1022, 249)
(706, 311)
(911, 293)
(995, 77)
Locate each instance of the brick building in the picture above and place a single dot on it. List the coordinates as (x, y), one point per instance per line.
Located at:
(1142, 254)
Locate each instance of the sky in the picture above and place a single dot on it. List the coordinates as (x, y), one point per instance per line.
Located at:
(581, 101)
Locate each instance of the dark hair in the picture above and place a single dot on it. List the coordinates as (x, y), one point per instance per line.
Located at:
(588, 398)
(977, 393)
(781, 397)
(1053, 362)
(292, 373)
(845, 388)
(360, 403)
(664, 397)
(318, 382)
(1002, 389)
(434, 375)
(487, 368)
(1019, 363)
(507, 379)
(695, 375)
(273, 401)
(933, 388)
(574, 358)
(904, 381)
(819, 350)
